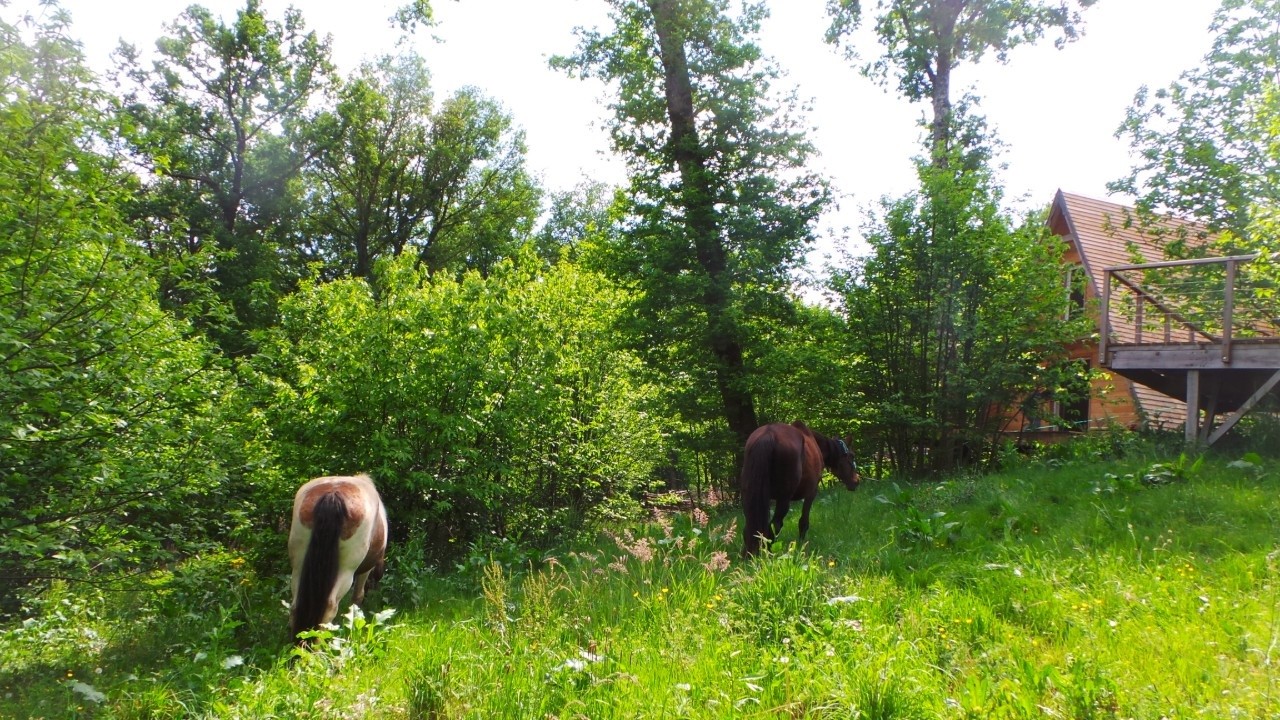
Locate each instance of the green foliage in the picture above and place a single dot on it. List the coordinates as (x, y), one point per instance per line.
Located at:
(721, 203)
(1260, 429)
(919, 34)
(1178, 470)
(111, 434)
(413, 14)
(959, 309)
(917, 526)
(924, 40)
(959, 313)
(216, 121)
(1155, 475)
(392, 176)
(329, 647)
(1109, 444)
(480, 198)
(803, 370)
(178, 636)
(581, 224)
(1204, 146)
(369, 189)
(484, 407)
(1140, 602)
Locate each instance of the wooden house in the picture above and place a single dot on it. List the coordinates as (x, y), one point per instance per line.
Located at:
(1098, 234)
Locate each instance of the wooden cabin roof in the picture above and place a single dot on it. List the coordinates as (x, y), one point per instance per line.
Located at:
(1106, 234)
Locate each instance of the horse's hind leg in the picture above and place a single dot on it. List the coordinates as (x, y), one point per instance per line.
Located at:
(804, 517)
(340, 589)
(775, 526)
(357, 592)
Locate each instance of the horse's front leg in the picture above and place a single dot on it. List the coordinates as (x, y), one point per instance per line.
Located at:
(804, 517)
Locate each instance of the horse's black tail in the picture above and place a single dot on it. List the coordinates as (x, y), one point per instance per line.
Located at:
(757, 463)
(320, 563)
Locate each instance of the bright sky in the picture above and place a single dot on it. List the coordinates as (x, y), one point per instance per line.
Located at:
(1056, 110)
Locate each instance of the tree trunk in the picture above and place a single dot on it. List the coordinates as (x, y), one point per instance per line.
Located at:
(941, 125)
(698, 200)
(944, 29)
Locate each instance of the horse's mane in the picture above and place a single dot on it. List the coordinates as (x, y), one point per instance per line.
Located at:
(829, 446)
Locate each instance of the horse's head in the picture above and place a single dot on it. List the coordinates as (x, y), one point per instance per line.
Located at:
(842, 464)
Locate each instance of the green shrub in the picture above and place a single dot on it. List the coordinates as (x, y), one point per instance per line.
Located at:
(487, 408)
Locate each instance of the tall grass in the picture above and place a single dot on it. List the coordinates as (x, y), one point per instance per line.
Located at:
(1077, 587)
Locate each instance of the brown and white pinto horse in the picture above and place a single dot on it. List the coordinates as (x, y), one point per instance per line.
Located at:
(337, 539)
(784, 463)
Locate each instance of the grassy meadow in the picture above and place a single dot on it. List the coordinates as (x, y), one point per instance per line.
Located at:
(1094, 582)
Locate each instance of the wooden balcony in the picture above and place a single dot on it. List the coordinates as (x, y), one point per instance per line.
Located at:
(1205, 331)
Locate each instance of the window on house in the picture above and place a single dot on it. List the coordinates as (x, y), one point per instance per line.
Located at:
(1075, 281)
(1073, 408)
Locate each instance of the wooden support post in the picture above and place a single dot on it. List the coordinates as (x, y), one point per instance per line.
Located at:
(1210, 409)
(1193, 405)
(1228, 305)
(1230, 421)
(1138, 320)
(1105, 319)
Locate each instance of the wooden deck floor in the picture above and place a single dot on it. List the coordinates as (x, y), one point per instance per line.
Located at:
(1233, 387)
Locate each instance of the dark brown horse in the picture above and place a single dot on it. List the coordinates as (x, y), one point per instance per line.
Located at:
(784, 463)
(337, 541)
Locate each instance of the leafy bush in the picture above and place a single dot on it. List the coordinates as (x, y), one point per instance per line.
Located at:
(484, 407)
(111, 432)
(1100, 445)
(922, 520)
(1260, 430)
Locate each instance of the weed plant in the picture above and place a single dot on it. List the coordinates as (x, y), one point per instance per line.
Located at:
(1095, 581)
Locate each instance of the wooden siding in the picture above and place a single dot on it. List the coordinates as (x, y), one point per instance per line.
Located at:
(1101, 234)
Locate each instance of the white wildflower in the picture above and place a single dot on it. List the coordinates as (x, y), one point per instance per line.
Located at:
(572, 664)
(88, 692)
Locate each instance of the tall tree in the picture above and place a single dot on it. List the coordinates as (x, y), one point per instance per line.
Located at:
(924, 40)
(214, 120)
(370, 188)
(721, 202)
(480, 200)
(960, 307)
(1203, 144)
(392, 176)
(948, 297)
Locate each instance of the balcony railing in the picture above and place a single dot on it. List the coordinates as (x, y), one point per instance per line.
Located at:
(1208, 301)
